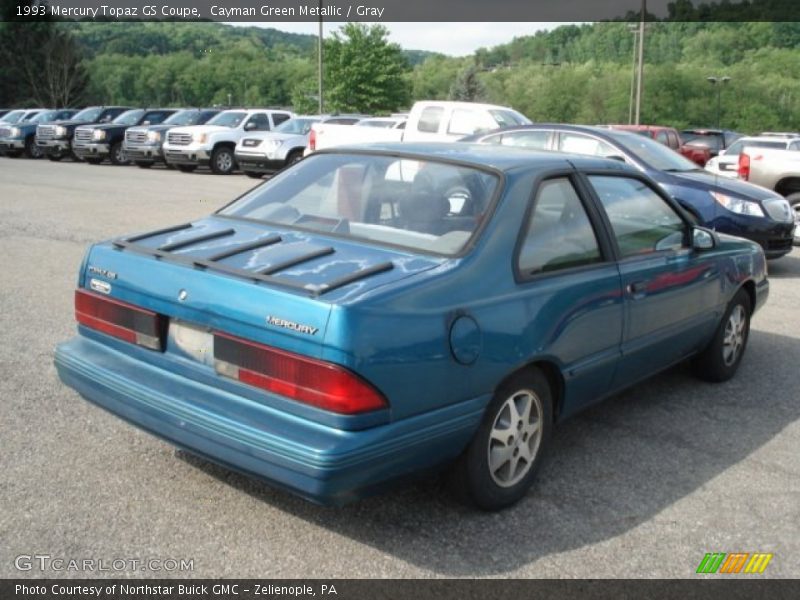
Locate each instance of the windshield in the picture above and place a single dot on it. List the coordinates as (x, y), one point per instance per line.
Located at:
(44, 116)
(183, 117)
(129, 117)
(296, 126)
(423, 205)
(227, 119)
(88, 114)
(652, 153)
(509, 118)
(13, 116)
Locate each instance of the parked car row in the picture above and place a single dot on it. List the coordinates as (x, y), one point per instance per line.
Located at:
(260, 141)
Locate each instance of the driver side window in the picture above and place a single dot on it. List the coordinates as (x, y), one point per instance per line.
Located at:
(642, 220)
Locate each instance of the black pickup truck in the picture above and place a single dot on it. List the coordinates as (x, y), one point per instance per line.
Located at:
(55, 139)
(143, 144)
(95, 143)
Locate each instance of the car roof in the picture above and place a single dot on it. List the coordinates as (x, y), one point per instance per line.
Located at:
(500, 158)
(604, 132)
(765, 138)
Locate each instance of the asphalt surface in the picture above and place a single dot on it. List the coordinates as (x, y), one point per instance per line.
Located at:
(642, 485)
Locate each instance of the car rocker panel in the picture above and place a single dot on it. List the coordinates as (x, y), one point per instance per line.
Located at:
(333, 347)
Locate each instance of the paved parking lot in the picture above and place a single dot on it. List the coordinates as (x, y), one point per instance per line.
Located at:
(642, 485)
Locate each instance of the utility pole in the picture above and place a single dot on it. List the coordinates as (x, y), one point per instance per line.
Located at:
(319, 58)
(640, 82)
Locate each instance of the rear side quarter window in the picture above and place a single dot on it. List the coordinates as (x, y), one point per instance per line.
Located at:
(430, 119)
(558, 234)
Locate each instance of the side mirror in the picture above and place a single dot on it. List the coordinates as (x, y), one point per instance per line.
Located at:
(722, 152)
(616, 157)
(703, 239)
(250, 126)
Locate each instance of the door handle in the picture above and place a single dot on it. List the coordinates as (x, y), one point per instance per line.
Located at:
(637, 288)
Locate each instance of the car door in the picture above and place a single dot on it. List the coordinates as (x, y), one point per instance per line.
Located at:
(672, 293)
(573, 309)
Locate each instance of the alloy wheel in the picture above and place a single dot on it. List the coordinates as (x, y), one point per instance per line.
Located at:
(515, 438)
(733, 340)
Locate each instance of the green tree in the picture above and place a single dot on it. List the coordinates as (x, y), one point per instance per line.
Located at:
(468, 87)
(364, 72)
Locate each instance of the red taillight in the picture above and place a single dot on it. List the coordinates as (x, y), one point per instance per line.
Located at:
(312, 139)
(120, 319)
(313, 382)
(744, 166)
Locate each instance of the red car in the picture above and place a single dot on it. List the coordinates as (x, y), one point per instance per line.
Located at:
(670, 137)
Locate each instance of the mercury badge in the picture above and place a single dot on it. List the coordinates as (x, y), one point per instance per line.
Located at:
(284, 324)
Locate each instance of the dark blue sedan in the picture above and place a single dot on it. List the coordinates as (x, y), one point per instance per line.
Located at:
(725, 205)
(375, 312)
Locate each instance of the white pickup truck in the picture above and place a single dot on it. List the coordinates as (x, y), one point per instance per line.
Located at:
(428, 121)
(777, 170)
(213, 143)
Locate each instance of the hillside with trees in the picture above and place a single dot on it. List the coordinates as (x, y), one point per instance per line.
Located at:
(573, 73)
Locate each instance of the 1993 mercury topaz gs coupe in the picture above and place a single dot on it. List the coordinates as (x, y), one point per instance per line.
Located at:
(378, 311)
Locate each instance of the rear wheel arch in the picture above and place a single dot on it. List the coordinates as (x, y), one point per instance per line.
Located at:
(553, 375)
(788, 186)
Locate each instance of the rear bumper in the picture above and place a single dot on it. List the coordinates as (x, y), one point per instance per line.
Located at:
(259, 164)
(320, 463)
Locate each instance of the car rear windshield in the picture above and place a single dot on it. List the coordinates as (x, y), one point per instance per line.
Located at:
(129, 117)
(736, 147)
(297, 126)
(227, 119)
(418, 204)
(712, 141)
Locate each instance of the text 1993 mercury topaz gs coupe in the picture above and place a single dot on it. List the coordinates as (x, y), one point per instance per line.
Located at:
(374, 312)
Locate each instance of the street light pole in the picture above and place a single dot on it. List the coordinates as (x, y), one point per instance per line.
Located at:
(718, 83)
(319, 59)
(635, 32)
(640, 82)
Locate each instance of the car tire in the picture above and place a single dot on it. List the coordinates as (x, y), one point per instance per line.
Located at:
(254, 174)
(55, 157)
(186, 168)
(719, 361)
(794, 202)
(500, 463)
(93, 161)
(117, 155)
(143, 164)
(222, 161)
(31, 149)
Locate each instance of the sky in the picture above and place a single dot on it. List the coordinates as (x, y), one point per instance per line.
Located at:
(454, 39)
